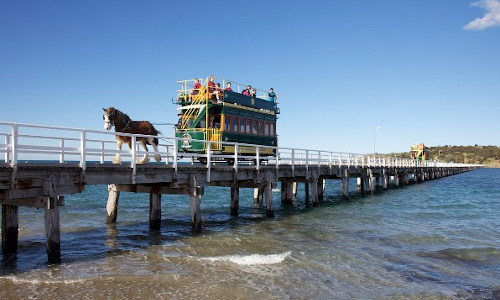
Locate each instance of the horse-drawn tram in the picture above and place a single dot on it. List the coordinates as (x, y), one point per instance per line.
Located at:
(209, 114)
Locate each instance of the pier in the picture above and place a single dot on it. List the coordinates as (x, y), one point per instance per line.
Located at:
(41, 164)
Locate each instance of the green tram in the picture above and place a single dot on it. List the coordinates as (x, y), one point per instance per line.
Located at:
(233, 117)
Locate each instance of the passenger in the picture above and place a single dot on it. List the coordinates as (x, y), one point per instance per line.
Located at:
(228, 87)
(211, 85)
(271, 95)
(218, 93)
(196, 89)
(254, 93)
(246, 91)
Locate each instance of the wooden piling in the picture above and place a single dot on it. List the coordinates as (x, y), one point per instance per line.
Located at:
(321, 188)
(294, 189)
(10, 228)
(345, 184)
(306, 193)
(53, 231)
(269, 200)
(112, 205)
(258, 194)
(314, 192)
(235, 196)
(154, 211)
(195, 202)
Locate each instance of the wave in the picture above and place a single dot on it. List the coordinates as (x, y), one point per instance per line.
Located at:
(17, 280)
(251, 260)
(478, 254)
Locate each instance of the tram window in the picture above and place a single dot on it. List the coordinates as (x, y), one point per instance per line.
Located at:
(227, 123)
(254, 126)
(248, 126)
(272, 130)
(267, 128)
(234, 124)
(242, 125)
(261, 127)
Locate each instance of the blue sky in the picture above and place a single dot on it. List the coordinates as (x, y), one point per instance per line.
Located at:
(424, 71)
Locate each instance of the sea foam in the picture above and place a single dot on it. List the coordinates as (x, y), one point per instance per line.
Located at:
(251, 260)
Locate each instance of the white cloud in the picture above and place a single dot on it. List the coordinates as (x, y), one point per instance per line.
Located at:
(490, 18)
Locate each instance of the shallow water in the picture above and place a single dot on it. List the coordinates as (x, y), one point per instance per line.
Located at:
(436, 240)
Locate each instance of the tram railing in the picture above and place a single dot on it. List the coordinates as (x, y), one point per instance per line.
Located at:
(28, 143)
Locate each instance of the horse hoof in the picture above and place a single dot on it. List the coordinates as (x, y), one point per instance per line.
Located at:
(145, 160)
(157, 157)
(117, 160)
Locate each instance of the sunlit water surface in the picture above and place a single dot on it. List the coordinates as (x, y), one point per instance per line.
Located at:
(439, 239)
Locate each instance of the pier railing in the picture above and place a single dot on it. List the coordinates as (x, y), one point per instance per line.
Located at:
(27, 143)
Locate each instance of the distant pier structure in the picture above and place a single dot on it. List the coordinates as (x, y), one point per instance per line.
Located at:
(41, 164)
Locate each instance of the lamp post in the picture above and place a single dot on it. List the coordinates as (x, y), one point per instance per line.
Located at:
(375, 139)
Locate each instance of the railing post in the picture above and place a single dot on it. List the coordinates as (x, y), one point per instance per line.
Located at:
(293, 162)
(7, 141)
(176, 146)
(209, 160)
(83, 150)
(102, 152)
(236, 157)
(133, 162)
(13, 147)
(307, 160)
(61, 156)
(167, 157)
(257, 155)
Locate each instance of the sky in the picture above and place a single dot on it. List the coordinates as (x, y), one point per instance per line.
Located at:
(420, 71)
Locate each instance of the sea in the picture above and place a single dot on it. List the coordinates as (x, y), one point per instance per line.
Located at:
(436, 240)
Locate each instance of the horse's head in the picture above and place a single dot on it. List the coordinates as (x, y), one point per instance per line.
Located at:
(109, 117)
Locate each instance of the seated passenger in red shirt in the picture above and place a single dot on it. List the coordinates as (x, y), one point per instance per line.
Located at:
(196, 89)
(228, 87)
(246, 91)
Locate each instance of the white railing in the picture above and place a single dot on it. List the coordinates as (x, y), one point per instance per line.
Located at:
(22, 143)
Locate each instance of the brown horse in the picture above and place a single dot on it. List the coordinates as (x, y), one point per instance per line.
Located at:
(123, 123)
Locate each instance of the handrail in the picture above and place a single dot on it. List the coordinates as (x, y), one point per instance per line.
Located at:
(16, 145)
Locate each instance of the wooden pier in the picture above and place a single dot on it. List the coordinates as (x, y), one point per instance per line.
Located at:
(44, 184)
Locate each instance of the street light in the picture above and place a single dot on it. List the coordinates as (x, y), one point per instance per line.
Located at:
(375, 138)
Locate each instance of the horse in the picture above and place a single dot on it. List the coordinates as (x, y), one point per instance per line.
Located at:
(123, 123)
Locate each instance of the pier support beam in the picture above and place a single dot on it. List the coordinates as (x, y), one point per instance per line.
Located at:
(112, 205)
(195, 194)
(53, 231)
(235, 199)
(10, 228)
(258, 194)
(361, 185)
(314, 192)
(154, 211)
(377, 182)
(294, 189)
(286, 192)
(396, 180)
(345, 184)
(385, 180)
(269, 199)
(321, 188)
(306, 193)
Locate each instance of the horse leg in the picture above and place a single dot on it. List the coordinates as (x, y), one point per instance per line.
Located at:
(154, 143)
(145, 159)
(117, 159)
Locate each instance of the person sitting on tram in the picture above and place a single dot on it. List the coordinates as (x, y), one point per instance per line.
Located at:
(228, 87)
(196, 89)
(272, 95)
(253, 93)
(218, 93)
(246, 91)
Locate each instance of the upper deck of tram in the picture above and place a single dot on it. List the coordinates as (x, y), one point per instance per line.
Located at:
(235, 97)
